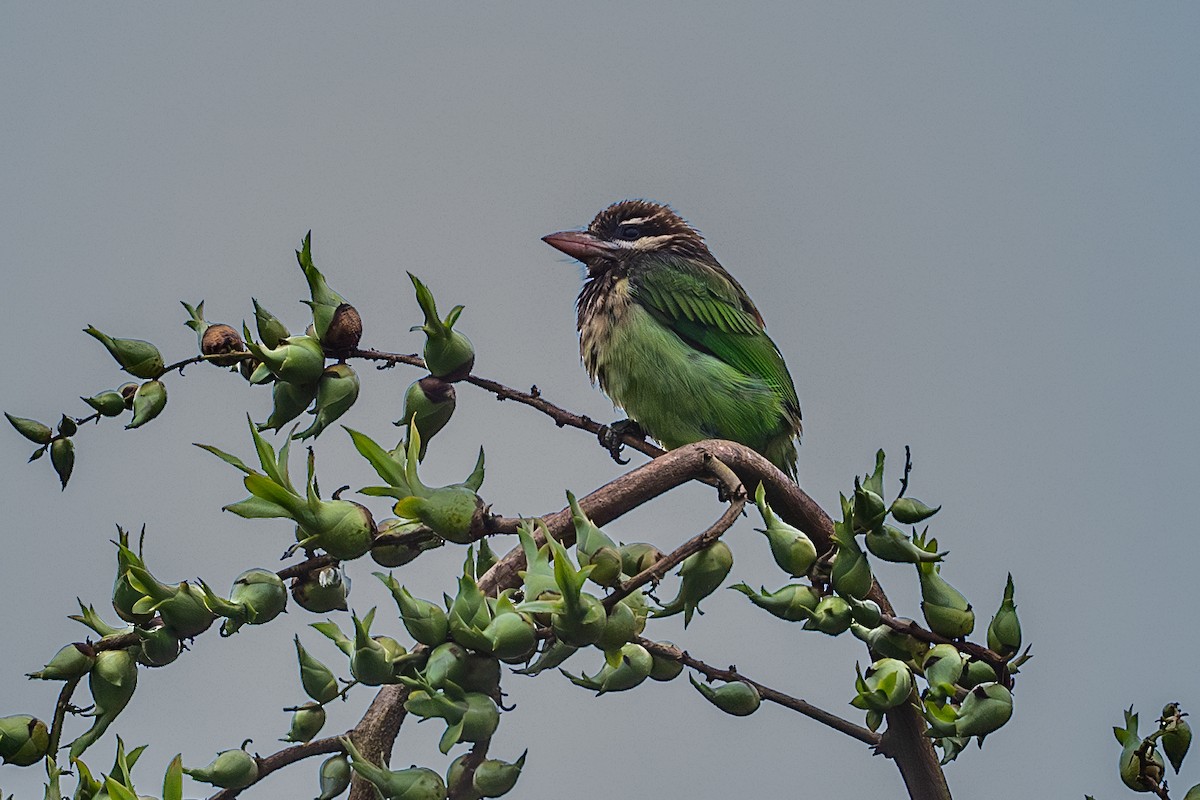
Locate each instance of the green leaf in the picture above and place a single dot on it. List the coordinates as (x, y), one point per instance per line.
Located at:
(228, 458)
(264, 488)
(116, 791)
(257, 508)
(31, 429)
(388, 468)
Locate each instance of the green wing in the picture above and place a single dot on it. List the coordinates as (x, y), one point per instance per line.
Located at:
(712, 313)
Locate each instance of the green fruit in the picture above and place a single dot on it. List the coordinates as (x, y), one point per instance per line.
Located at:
(736, 697)
(139, 358)
(23, 740)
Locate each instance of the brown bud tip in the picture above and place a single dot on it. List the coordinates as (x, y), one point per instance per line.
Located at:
(220, 339)
(345, 329)
(127, 391)
(436, 389)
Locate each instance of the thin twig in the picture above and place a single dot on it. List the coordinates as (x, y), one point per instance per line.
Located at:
(286, 756)
(864, 735)
(658, 570)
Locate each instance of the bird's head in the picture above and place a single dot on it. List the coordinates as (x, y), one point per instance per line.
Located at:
(627, 231)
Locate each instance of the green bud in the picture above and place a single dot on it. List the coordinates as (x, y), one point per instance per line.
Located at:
(159, 647)
(582, 625)
(494, 778)
(986, 707)
(943, 666)
(869, 509)
(148, 402)
(231, 769)
(1176, 734)
(387, 553)
(593, 547)
(665, 669)
(447, 663)
(108, 404)
(945, 608)
(370, 662)
(181, 606)
(67, 426)
(736, 697)
(125, 596)
(702, 574)
(909, 511)
(138, 358)
(620, 627)
(941, 715)
(451, 512)
(865, 612)
(335, 776)
(297, 359)
(469, 613)
(425, 621)
(112, 681)
(31, 429)
(428, 404)
(290, 401)
(850, 573)
(307, 721)
(794, 603)
(1004, 631)
(791, 548)
(480, 721)
(448, 354)
(317, 679)
(832, 616)
(886, 684)
(414, 783)
(62, 457)
(69, 663)
(623, 670)
(455, 774)
(322, 591)
(888, 643)
(891, 544)
(510, 634)
(259, 595)
(337, 391)
(23, 740)
(975, 673)
(270, 330)
(638, 557)
(342, 528)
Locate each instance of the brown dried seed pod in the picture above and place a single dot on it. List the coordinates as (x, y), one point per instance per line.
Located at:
(220, 339)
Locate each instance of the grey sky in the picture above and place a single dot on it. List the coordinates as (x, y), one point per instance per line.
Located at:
(971, 229)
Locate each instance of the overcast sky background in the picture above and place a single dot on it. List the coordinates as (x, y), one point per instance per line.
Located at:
(971, 229)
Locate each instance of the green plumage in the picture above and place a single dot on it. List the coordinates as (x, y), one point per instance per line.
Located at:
(674, 340)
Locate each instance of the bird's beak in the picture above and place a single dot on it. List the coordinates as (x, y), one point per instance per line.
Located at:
(578, 244)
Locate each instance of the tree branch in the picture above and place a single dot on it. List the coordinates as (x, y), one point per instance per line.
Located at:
(281, 759)
(864, 735)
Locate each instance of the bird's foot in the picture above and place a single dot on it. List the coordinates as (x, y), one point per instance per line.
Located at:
(612, 437)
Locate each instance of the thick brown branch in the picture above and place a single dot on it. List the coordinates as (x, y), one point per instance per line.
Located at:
(656, 571)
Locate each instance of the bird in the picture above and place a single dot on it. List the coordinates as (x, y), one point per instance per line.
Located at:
(673, 339)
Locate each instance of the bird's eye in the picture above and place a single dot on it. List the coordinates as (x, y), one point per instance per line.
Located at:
(629, 232)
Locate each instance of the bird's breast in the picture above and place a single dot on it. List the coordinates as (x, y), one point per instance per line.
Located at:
(603, 307)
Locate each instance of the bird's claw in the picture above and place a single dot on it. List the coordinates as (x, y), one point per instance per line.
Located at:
(612, 437)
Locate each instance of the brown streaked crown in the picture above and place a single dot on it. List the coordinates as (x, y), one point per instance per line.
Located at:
(656, 226)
